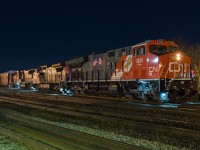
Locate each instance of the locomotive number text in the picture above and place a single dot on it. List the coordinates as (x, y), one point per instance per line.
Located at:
(139, 60)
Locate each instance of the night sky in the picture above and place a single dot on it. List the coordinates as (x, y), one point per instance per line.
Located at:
(35, 33)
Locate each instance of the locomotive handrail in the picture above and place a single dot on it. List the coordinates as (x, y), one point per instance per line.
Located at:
(162, 70)
(166, 76)
(197, 76)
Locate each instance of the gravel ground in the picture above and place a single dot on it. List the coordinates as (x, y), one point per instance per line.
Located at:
(150, 144)
(153, 145)
(8, 144)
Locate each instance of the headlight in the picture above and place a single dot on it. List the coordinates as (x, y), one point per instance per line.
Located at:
(178, 56)
(163, 94)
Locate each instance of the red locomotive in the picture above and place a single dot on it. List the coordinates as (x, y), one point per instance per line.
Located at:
(151, 70)
(154, 69)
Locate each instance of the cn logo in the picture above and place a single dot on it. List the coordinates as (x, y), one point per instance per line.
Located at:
(128, 63)
(152, 69)
(175, 67)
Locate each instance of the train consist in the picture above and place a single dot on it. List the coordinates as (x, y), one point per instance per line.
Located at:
(151, 70)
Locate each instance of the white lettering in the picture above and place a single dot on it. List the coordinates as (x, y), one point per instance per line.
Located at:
(175, 67)
(139, 60)
(153, 69)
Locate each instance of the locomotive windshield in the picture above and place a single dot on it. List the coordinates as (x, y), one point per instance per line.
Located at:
(161, 49)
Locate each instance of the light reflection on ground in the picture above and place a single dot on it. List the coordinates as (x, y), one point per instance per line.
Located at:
(192, 103)
(165, 105)
(13, 88)
(54, 94)
(169, 105)
(28, 90)
(61, 94)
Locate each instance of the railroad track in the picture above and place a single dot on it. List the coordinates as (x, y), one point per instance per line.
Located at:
(112, 104)
(61, 97)
(181, 113)
(44, 136)
(166, 125)
(94, 111)
(94, 99)
(182, 121)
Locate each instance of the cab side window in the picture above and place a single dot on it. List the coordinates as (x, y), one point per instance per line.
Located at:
(128, 52)
(139, 51)
(123, 52)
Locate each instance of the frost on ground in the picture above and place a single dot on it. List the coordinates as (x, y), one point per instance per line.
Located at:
(8, 144)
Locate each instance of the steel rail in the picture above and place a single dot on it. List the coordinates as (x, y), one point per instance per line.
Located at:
(155, 119)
